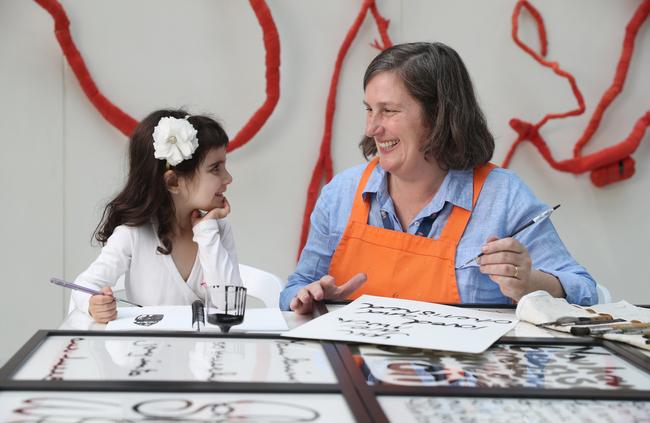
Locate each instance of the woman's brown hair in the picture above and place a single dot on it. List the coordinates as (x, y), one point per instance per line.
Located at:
(145, 198)
(434, 74)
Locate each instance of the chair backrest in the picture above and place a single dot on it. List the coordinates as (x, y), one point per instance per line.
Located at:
(261, 284)
(604, 296)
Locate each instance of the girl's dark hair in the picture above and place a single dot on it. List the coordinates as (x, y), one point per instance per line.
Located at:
(436, 77)
(145, 198)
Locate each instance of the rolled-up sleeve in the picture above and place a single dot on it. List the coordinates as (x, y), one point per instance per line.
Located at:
(505, 204)
(316, 256)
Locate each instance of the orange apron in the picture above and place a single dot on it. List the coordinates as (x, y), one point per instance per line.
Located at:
(399, 264)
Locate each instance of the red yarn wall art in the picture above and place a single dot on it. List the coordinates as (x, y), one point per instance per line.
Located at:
(611, 164)
(323, 169)
(608, 165)
(125, 123)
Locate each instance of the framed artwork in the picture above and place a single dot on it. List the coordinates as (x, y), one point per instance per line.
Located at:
(184, 406)
(420, 409)
(75, 376)
(125, 357)
(183, 375)
(517, 364)
(545, 379)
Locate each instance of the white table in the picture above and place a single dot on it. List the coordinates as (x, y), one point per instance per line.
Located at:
(77, 320)
(80, 321)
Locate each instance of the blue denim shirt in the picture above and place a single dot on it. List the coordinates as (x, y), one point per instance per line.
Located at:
(505, 203)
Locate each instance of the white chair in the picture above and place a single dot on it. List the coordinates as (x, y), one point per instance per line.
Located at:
(604, 296)
(261, 285)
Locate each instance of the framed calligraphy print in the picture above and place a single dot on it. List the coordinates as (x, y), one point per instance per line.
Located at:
(574, 375)
(106, 357)
(180, 373)
(419, 409)
(183, 406)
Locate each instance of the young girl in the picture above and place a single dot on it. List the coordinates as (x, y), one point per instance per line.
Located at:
(165, 231)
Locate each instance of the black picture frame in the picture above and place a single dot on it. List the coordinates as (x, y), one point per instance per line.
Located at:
(370, 393)
(342, 387)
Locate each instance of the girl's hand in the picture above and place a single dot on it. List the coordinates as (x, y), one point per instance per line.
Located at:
(103, 308)
(216, 213)
(506, 262)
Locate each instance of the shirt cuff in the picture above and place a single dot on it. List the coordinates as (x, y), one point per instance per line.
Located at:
(578, 289)
(287, 295)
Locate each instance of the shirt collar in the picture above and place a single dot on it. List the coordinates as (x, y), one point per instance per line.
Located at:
(457, 188)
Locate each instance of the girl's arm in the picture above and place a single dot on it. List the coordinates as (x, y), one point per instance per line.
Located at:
(217, 252)
(113, 261)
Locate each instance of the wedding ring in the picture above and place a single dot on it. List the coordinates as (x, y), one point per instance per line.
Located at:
(516, 271)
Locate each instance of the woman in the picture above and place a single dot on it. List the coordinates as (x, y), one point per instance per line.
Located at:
(429, 201)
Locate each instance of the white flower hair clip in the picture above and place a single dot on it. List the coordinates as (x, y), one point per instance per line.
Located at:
(174, 140)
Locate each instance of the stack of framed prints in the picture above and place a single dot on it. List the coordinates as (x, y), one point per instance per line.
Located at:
(68, 376)
(517, 379)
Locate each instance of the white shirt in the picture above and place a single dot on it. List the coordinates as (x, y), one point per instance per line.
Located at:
(151, 278)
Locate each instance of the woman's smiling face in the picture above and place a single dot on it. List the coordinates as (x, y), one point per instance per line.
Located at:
(395, 122)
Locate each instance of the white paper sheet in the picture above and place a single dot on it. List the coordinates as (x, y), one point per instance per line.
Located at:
(390, 321)
(180, 318)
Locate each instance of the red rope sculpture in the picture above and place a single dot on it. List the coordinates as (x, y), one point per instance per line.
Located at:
(610, 164)
(125, 123)
(272, 47)
(113, 114)
(323, 169)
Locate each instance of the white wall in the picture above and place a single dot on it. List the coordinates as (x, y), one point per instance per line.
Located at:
(61, 162)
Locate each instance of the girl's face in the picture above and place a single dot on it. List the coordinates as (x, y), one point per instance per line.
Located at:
(395, 122)
(205, 191)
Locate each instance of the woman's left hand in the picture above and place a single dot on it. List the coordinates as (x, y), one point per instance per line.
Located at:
(216, 213)
(506, 262)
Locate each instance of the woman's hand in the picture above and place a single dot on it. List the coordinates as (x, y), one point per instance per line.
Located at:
(103, 308)
(324, 289)
(216, 213)
(506, 262)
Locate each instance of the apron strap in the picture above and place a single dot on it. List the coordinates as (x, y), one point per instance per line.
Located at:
(459, 216)
(360, 207)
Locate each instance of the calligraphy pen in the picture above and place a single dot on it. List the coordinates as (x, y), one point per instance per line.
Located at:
(76, 287)
(534, 220)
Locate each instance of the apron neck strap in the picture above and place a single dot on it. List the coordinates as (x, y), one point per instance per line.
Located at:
(361, 208)
(458, 218)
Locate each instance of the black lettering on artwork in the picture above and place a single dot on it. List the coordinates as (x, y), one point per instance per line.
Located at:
(289, 364)
(146, 350)
(369, 329)
(216, 364)
(415, 314)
